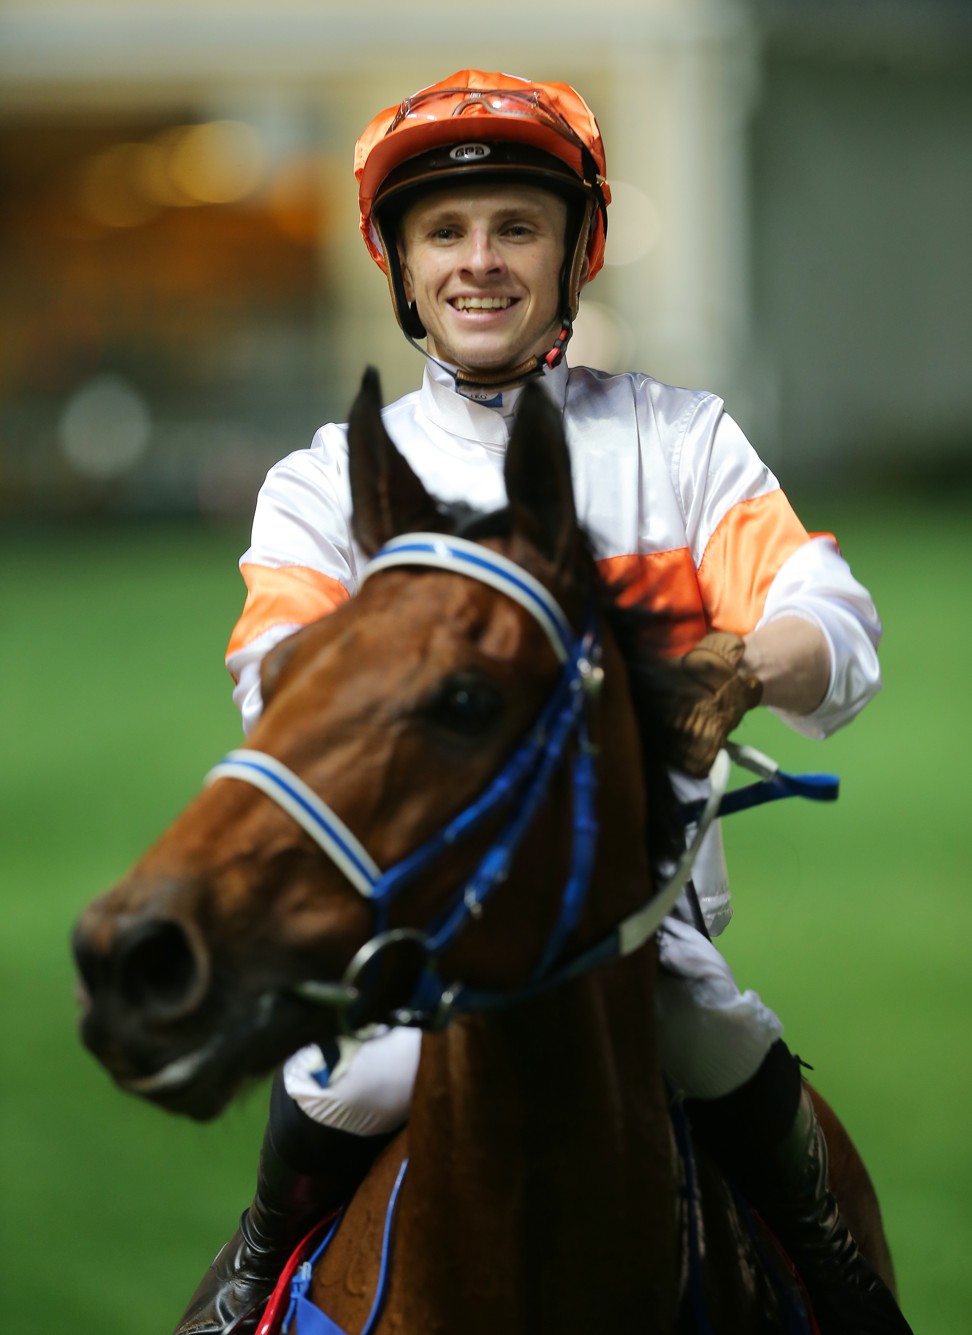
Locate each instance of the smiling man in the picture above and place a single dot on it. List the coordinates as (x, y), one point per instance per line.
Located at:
(484, 201)
(482, 265)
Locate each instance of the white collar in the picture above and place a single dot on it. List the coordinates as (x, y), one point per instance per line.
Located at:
(444, 405)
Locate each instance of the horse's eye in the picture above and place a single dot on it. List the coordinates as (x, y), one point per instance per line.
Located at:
(465, 705)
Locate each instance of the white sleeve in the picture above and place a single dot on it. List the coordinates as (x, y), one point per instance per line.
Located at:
(247, 693)
(301, 524)
(816, 583)
(303, 512)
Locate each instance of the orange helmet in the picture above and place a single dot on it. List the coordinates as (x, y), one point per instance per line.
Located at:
(478, 127)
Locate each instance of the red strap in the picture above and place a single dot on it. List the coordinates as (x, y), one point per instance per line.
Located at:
(279, 1300)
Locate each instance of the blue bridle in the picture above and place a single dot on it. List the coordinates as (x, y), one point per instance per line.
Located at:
(518, 789)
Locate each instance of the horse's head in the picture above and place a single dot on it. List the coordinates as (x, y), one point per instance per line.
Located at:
(225, 947)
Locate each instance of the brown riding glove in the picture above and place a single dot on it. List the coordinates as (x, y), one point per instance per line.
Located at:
(712, 696)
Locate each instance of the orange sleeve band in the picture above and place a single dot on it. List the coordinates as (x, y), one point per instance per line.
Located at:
(283, 596)
(727, 592)
(743, 555)
(663, 582)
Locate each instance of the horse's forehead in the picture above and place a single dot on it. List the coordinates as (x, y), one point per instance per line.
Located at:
(431, 601)
(412, 624)
(415, 624)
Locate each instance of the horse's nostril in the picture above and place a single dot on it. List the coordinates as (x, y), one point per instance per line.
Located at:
(158, 970)
(89, 965)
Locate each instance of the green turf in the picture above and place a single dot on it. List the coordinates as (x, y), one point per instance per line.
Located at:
(853, 921)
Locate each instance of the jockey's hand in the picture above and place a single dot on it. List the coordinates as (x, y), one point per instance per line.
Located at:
(711, 697)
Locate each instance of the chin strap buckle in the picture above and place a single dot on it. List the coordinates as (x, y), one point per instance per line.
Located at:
(556, 354)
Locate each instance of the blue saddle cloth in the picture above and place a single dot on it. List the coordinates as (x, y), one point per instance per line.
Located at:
(312, 1321)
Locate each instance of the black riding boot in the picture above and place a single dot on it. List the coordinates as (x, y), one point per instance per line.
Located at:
(305, 1171)
(767, 1137)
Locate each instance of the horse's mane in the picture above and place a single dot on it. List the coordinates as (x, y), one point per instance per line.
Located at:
(641, 635)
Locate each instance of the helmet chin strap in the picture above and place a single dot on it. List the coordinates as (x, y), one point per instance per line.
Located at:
(508, 377)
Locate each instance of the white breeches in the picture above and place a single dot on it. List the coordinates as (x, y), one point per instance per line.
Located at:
(712, 1039)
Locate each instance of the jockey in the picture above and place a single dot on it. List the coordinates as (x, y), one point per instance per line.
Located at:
(484, 201)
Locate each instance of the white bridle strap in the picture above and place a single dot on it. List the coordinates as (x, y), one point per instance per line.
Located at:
(488, 567)
(327, 830)
(635, 930)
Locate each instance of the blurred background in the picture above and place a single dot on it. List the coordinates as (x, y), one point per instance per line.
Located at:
(184, 298)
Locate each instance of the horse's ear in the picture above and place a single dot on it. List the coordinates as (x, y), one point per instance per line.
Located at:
(538, 481)
(386, 496)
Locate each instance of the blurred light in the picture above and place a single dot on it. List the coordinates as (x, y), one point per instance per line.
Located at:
(296, 197)
(151, 172)
(635, 224)
(218, 162)
(601, 338)
(108, 189)
(105, 427)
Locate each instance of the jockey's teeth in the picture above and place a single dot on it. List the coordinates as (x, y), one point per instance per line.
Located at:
(482, 303)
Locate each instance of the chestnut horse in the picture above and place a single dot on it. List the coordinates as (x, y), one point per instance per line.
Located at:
(447, 725)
